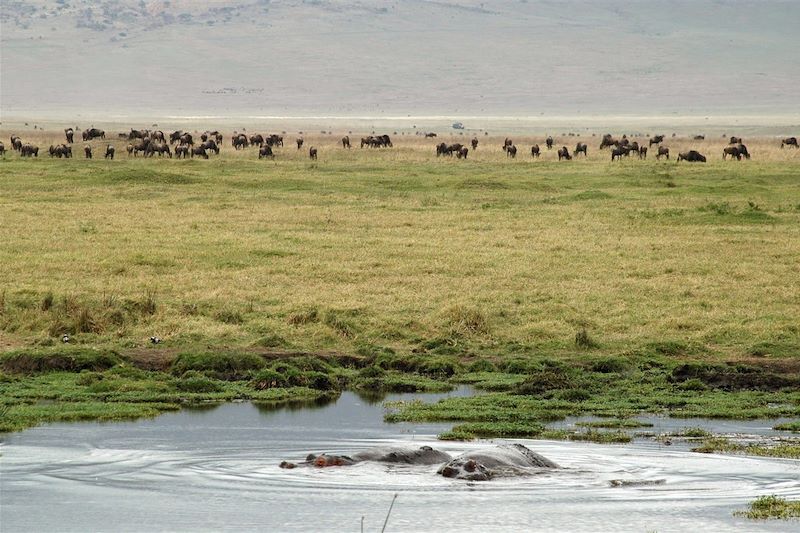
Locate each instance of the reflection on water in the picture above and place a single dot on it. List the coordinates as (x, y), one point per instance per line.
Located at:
(217, 468)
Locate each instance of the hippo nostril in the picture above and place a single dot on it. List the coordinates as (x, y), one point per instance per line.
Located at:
(448, 472)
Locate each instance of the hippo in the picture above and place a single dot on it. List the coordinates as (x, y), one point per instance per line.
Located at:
(503, 460)
(424, 455)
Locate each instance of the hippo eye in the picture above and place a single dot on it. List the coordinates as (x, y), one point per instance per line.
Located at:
(310, 457)
(426, 448)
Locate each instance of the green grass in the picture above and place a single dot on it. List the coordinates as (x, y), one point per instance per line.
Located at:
(768, 507)
(560, 289)
(789, 426)
(789, 450)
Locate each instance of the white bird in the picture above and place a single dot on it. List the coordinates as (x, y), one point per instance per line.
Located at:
(155, 340)
(65, 338)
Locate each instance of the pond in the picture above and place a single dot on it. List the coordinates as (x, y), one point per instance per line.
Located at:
(217, 468)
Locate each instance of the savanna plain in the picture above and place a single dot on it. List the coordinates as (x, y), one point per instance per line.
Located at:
(583, 287)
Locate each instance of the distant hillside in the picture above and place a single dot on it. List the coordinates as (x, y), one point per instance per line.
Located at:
(449, 57)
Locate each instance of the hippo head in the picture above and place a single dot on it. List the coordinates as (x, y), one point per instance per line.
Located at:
(468, 469)
(324, 460)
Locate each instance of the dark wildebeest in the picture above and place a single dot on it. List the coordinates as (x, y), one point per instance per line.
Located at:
(563, 153)
(580, 147)
(735, 140)
(508, 142)
(182, 151)
(110, 152)
(366, 141)
(463, 152)
(62, 150)
(256, 140)
(299, 142)
(158, 147)
(658, 139)
(186, 138)
(2, 149)
(789, 141)
(266, 151)
(386, 141)
(29, 150)
(274, 140)
(441, 149)
(175, 136)
(608, 141)
(158, 136)
(732, 151)
(453, 149)
(239, 141)
(549, 143)
(204, 137)
(662, 150)
(312, 153)
(69, 133)
(430, 134)
(535, 150)
(643, 152)
(698, 138)
(198, 151)
(692, 156)
(93, 133)
(618, 152)
(345, 142)
(87, 150)
(16, 143)
(511, 151)
(474, 143)
(211, 145)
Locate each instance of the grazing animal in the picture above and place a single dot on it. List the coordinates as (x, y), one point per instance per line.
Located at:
(511, 151)
(186, 138)
(658, 139)
(662, 150)
(299, 143)
(69, 133)
(508, 142)
(732, 151)
(693, 156)
(265, 151)
(181, 151)
(239, 141)
(29, 150)
(175, 136)
(643, 152)
(580, 147)
(256, 140)
(16, 143)
(198, 151)
(549, 143)
(607, 141)
(2, 149)
(735, 140)
(743, 151)
(474, 143)
(346, 142)
(535, 150)
(441, 149)
(463, 152)
(93, 133)
(312, 153)
(789, 141)
(87, 150)
(110, 152)
(429, 135)
(563, 153)
(618, 152)
(211, 145)
(699, 137)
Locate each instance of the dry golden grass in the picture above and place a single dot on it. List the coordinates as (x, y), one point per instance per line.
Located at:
(401, 249)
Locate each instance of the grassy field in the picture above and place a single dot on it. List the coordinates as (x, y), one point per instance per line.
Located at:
(370, 252)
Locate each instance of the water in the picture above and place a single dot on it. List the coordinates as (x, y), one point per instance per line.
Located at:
(216, 469)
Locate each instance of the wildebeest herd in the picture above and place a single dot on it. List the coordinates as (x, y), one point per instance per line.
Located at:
(181, 145)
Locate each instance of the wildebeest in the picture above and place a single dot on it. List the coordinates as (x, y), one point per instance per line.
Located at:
(312, 153)
(379, 141)
(735, 140)
(29, 150)
(549, 143)
(658, 139)
(265, 151)
(239, 141)
(662, 150)
(535, 150)
(93, 133)
(69, 133)
(643, 152)
(175, 136)
(508, 142)
(87, 151)
(274, 139)
(160, 148)
(429, 135)
(698, 138)
(692, 156)
(59, 151)
(16, 143)
(618, 152)
(345, 142)
(441, 148)
(198, 151)
(563, 153)
(182, 151)
(580, 147)
(474, 143)
(110, 152)
(463, 152)
(211, 145)
(256, 140)
(2, 149)
(186, 138)
(789, 141)
(511, 151)
(136, 134)
(608, 141)
(737, 151)
(299, 142)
